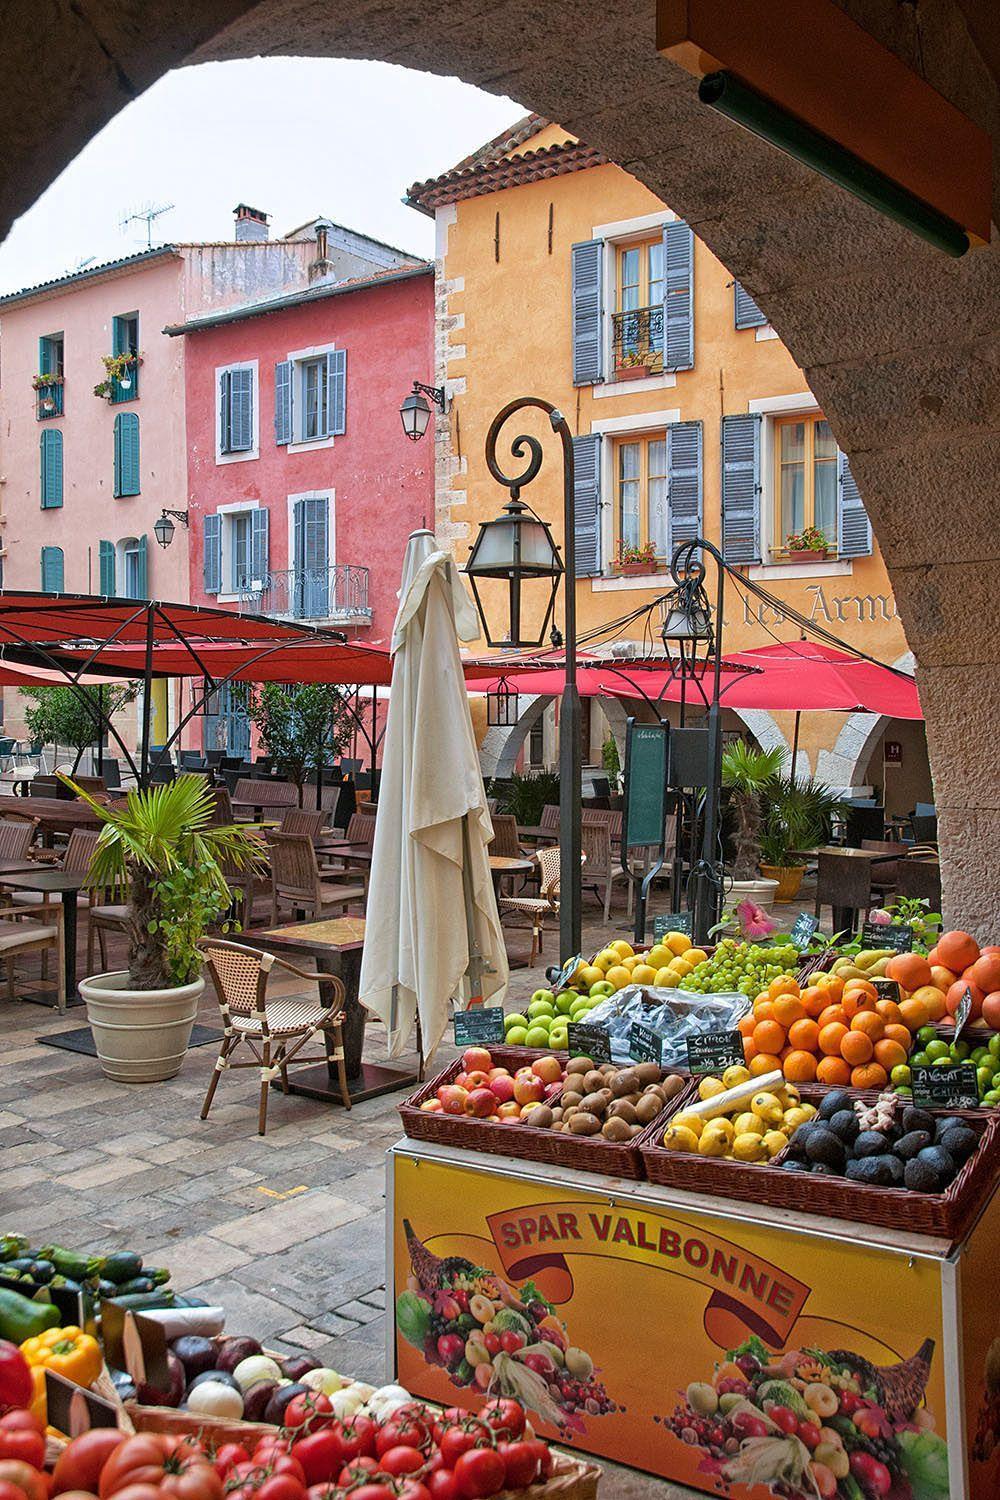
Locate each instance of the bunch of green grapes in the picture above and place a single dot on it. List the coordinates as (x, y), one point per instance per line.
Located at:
(742, 968)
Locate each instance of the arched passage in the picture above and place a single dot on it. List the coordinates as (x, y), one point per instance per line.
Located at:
(899, 344)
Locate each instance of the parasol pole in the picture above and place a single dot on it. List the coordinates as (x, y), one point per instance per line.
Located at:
(795, 742)
(476, 966)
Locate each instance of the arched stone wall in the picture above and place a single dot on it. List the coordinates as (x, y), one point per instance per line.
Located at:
(900, 345)
(502, 743)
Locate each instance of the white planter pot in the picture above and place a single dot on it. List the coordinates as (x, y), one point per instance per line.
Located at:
(141, 1036)
(761, 892)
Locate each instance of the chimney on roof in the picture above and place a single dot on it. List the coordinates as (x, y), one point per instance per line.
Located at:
(251, 224)
(322, 265)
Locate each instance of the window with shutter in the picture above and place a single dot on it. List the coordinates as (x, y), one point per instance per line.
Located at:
(741, 488)
(855, 529)
(337, 391)
(311, 544)
(259, 520)
(587, 503)
(678, 296)
(125, 340)
(746, 313)
(51, 444)
(126, 454)
(142, 567)
(106, 555)
(587, 312)
(212, 558)
(283, 402)
(236, 410)
(52, 570)
(684, 471)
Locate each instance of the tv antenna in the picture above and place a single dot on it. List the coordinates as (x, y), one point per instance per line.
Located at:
(145, 214)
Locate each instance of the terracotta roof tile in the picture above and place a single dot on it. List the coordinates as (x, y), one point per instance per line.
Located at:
(503, 172)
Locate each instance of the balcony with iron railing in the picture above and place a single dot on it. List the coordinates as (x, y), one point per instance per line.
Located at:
(637, 343)
(48, 397)
(338, 594)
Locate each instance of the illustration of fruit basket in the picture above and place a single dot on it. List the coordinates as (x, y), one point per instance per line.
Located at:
(814, 1424)
(497, 1339)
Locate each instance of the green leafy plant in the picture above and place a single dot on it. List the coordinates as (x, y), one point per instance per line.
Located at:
(72, 716)
(43, 382)
(811, 539)
(162, 845)
(628, 556)
(525, 796)
(611, 761)
(301, 727)
(796, 815)
(746, 773)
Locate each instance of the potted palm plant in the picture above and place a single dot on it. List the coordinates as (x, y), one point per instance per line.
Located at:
(796, 816)
(746, 773)
(161, 846)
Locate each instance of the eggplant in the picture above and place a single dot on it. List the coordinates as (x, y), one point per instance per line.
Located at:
(148, 1395)
(195, 1353)
(221, 1377)
(275, 1410)
(297, 1365)
(257, 1399)
(232, 1350)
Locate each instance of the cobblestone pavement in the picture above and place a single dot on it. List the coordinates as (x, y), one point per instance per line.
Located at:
(285, 1231)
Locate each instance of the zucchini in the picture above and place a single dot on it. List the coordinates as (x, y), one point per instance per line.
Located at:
(19, 1263)
(70, 1262)
(137, 1284)
(143, 1301)
(12, 1246)
(42, 1271)
(124, 1266)
(157, 1274)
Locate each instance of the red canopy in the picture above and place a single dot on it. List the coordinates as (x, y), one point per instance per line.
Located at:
(293, 660)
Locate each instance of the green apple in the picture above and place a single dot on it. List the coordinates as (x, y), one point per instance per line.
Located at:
(602, 987)
(516, 1036)
(543, 995)
(537, 1036)
(515, 1019)
(564, 1002)
(540, 1008)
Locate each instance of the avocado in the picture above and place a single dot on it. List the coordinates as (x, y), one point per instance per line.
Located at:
(791, 1165)
(827, 1149)
(820, 1169)
(917, 1119)
(908, 1145)
(920, 1177)
(871, 1170)
(937, 1158)
(871, 1143)
(894, 1167)
(835, 1101)
(801, 1138)
(845, 1124)
(959, 1142)
(947, 1122)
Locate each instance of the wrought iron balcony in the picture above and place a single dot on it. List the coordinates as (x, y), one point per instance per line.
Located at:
(49, 400)
(637, 342)
(339, 594)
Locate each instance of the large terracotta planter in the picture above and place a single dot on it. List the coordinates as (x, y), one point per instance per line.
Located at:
(760, 892)
(789, 878)
(141, 1036)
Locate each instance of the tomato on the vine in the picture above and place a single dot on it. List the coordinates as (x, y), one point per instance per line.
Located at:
(452, 1416)
(401, 1460)
(414, 1489)
(25, 1443)
(520, 1464)
(479, 1472)
(228, 1456)
(310, 1410)
(176, 1466)
(24, 1478)
(375, 1491)
(320, 1454)
(458, 1440)
(403, 1431)
(281, 1487)
(504, 1415)
(357, 1437)
(442, 1485)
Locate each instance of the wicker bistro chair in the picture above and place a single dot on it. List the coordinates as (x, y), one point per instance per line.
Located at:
(361, 829)
(296, 880)
(275, 1031)
(537, 908)
(15, 837)
(304, 820)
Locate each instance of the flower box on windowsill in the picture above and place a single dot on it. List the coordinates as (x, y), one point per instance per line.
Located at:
(808, 554)
(635, 569)
(633, 372)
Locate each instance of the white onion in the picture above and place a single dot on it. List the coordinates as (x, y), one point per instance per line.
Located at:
(214, 1399)
(253, 1370)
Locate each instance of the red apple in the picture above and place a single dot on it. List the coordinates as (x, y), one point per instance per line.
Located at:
(476, 1060)
(499, 1073)
(503, 1087)
(529, 1090)
(433, 1106)
(480, 1103)
(548, 1069)
(477, 1080)
(452, 1098)
(462, 1080)
(525, 1072)
(509, 1110)
(551, 1089)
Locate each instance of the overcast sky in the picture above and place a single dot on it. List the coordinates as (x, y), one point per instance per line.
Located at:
(296, 137)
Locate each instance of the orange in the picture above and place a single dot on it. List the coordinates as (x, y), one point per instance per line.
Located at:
(785, 984)
(934, 999)
(871, 1024)
(746, 1024)
(763, 1010)
(799, 1067)
(914, 1013)
(833, 1070)
(760, 999)
(956, 995)
(749, 1050)
(764, 1062)
(804, 1034)
(788, 1009)
(832, 983)
(911, 970)
(890, 1012)
(856, 1048)
(873, 1076)
(942, 978)
(856, 1001)
(956, 951)
(890, 1054)
(768, 1037)
(865, 987)
(815, 1000)
(834, 1014)
(831, 1037)
(900, 1034)
(985, 972)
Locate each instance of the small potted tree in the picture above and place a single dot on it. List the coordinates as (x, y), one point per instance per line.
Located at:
(301, 728)
(161, 845)
(808, 545)
(746, 773)
(796, 815)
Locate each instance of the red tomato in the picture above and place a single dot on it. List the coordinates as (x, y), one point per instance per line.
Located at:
(358, 1468)
(16, 1385)
(442, 1486)
(458, 1440)
(401, 1460)
(452, 1416)
(281, 1487)
(407, 1432)
(374, 1491)
(16, 1420)
(79, 1495)
(270, 1445)
(413, 1489)
(320, 1453)
(504, 1415)
(176, 1467)
(310, 1410)
(520, 1463)
(25, 1443)
(357, 1437)
(25, 1478)
(479, 1472)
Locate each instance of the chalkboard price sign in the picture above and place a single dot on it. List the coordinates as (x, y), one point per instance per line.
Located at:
(896, 935)
(645, 1044)
(951, 1087)
(589, 1041)
(673, 921)
(714, 1051)
(803, 929)
(484, 1023)
(886, 989)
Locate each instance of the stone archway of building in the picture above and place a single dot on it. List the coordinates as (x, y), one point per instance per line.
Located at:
(899, 344)
(847, 762)
(502, 743)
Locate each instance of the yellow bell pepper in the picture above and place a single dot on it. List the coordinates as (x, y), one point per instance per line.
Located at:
(68, 1352)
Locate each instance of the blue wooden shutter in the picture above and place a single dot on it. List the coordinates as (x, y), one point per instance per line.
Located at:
(587, 503)
(52, 570)
(684, 482)
(336, 392)
(225, 410)
(212, 560)
(311, 543)
(746, 313)
(126, 454)
(241, 411)
(678, 296)
(52, 468)
(588, 308)
(259, 544)
(741, 488)
(142, 568)
(283, 402)
(855, 539)
(106, 554)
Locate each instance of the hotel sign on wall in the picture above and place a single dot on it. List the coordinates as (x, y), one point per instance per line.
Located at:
(836, 609)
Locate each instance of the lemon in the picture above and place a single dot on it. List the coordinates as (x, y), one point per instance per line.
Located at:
(749, 1147)
(774, 1141)
(767, 1108)
(643, 974)
(678, 1138)
(619, 976)
(734, 1074)
(681, 967)
(677, 942)
(715, 1141)
(810, 1110)
(709, 1087)
(695, 956)
(793, 1119)
(791, 1093)
(658, 955)
(748, 1124)
(694, 1123)
(666, 979)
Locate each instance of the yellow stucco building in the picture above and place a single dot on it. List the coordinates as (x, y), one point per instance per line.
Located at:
(559, 275)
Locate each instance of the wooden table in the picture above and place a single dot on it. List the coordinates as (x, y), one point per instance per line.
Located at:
(845, 917)
(336, 945)
(54, 814)
(68, 885)
(506, 864)
(534, 833)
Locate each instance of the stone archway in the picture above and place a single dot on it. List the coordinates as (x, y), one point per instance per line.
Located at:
(900, 345)
(502, 743)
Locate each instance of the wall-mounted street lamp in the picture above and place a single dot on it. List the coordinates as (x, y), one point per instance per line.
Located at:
(415, 412)
(516, 546)
(164, 528)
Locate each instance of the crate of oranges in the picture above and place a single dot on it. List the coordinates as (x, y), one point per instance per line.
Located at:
(831, 1030)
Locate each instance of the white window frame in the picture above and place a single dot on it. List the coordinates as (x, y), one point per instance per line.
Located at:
(251, 453)
(122, 547)
(640, 425)
(228, 594)
(613, 235)
(297, 358)
(801, 403)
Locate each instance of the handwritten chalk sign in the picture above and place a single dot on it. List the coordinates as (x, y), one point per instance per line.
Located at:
(673, 921)
(896, 935)
(714, 1051)
(484, 1023)
(803, 930)
(645, 1044)
(589, 1041)
(954, 1086)
(886, 989)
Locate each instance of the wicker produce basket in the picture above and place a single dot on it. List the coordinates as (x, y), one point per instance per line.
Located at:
(554, 1148)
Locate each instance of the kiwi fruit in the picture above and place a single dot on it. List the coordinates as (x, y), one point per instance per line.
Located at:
(580, 1065)
(584, 1123)
(616, 1129)
(672, 1085)
(623, 1109)
(646, 1073)
(647, 1109)
(540, 1117)
(569, 1096)
(624, 1083)
(593, 1081)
